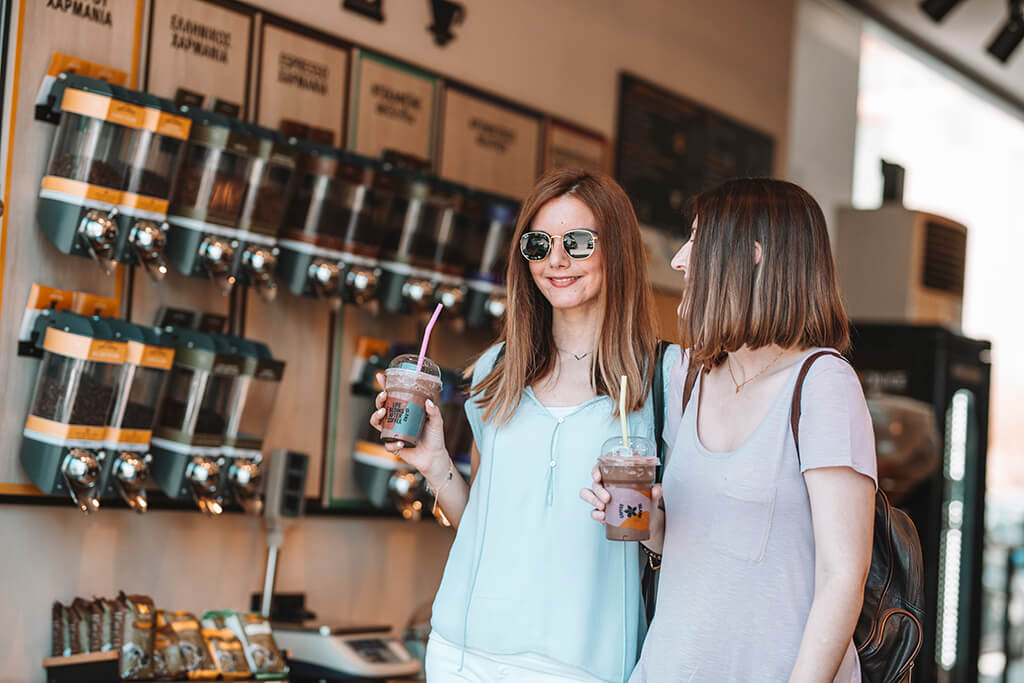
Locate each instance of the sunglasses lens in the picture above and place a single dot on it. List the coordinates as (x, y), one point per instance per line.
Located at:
(578, 243)
(535, 245)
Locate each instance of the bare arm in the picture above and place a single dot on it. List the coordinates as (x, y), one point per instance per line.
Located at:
(842, 510)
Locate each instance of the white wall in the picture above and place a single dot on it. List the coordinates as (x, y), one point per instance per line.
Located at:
(561, 57)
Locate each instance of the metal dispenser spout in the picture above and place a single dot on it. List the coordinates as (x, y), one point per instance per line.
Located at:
(406, 488)
(260, 263)
(246, 478)
(81, 470)
(326, 279)
(203, 475)
(98, 233)
(131, 471)
(148, 241)
(361, 284)
(216, 254)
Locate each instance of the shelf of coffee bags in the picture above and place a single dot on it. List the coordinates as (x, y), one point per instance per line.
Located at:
(102, 667)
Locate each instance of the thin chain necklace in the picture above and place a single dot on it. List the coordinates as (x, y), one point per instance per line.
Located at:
(576, 355)
(740, 385)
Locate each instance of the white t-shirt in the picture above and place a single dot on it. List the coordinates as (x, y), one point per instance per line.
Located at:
(737, 578)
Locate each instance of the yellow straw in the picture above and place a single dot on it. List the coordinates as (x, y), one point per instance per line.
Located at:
(622, 411)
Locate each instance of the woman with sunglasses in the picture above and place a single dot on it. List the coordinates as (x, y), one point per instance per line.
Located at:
(532, 591)
(766, 547)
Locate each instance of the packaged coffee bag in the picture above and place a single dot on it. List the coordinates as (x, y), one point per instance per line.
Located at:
(115, 610)
(167, 659)
(194, 653)
(226, 648)
(78, 618)
(137, 630)
(60, 632)
(253, 630)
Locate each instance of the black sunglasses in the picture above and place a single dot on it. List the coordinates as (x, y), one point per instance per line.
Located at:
(578, 244)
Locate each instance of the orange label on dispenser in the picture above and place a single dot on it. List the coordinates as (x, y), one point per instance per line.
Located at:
(116, 435)
(86, 348)
(60, 430)
(41, 297)
(157, 357)
(171, 125)
(61, 63)
(93, 304)
(98, 106)
(144, 203)
(77, 188)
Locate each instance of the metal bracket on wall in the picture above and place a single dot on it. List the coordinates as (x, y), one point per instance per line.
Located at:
(446, 14)
(374, 9)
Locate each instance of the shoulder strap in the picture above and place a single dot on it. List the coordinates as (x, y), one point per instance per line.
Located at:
(794, 413)
(658, 399)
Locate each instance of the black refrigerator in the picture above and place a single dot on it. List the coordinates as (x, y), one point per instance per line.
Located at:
(944, 493)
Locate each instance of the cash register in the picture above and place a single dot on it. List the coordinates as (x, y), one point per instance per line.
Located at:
(321, 652)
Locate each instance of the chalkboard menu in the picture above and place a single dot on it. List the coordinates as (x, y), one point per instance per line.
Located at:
(670, 148)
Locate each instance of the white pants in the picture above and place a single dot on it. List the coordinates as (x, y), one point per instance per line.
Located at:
(444, 657)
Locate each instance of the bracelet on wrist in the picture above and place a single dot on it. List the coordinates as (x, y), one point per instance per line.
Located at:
(447, 480)
(653, 558)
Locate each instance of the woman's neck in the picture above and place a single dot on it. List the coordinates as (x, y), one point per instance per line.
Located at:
(747, 362)
(575, 329)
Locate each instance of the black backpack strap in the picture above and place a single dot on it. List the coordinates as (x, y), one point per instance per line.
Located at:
(794, 413)
(658, 399)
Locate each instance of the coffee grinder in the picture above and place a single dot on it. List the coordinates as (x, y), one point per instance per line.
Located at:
(487, 251)
(141, 386)
(82, 191)
(189, 436)
(271, 182)
(207, 197)
(63, 446)
(248, 415)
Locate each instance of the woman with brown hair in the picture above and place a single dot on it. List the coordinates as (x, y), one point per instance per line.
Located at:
(532, 591)
(766, 546)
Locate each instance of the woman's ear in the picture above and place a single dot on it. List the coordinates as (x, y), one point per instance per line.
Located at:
(757, 253)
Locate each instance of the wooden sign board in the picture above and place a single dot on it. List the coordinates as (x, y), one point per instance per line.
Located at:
(102, 33)
(488, 146)
(302, 79)
(567, 146)
(393, 108)
(200, 46)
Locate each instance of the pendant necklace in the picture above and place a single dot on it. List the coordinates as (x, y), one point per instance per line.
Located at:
(740, 385)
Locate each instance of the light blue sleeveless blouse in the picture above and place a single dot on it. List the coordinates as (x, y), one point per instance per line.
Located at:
(529, 570)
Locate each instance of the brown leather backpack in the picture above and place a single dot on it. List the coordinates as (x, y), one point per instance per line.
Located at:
(889, 633)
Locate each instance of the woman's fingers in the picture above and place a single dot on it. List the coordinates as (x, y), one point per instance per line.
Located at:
(381, 399)
(656, 493)
(590, 498)
(596, 474)
(380, 379)
(598, 515)
(377, 419)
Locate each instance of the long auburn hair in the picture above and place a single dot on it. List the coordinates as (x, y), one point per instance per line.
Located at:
(791, 298)
(626, 338)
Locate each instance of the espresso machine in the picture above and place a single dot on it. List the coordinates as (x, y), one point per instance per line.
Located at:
(329, 243)
(141, 386)
(188, 441)
(248, 416)
(487, 254)
(208, 195)
(62, 449)
(271, 182)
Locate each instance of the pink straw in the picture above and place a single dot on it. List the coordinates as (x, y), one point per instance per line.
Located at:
(426, 336)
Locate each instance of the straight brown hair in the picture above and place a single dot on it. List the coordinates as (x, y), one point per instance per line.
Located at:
(626, 338)
(791, 298)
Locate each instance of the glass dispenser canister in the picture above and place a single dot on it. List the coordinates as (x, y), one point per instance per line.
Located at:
(142, 219)
(207, 197)
(62, 448)
(150, 355)
(92, 152)
(487, 253)
(406, 218)
(450, 235)
(189, 436)
(271, 183)
(249, 411)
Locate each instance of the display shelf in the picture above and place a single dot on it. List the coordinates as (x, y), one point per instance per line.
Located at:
(101, 667)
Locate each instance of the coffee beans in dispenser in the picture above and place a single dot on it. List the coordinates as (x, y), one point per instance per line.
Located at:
(65, 432)
(271, 184)
(207, 197)
(487, 251)
(249, 411)
(95, 144)
(143, 380)
(188, 440)
(407, 218)
(451, 214)
(330, 245)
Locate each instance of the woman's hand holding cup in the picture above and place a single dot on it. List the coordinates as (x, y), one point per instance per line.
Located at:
(429, 456)
(598, 497)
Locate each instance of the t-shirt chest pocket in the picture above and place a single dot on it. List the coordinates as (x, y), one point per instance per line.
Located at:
(742, 523)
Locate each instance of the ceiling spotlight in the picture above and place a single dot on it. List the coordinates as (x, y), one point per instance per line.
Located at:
(938, 9)
(1010, 35)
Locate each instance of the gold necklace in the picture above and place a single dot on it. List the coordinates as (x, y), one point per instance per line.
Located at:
(576, 355)
(740, 385)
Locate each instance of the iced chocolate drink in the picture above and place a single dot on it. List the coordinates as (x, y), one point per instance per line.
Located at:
(408, 390)
(627, 473)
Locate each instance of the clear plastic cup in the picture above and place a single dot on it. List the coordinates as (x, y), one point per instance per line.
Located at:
(628, 473)
(408, 390)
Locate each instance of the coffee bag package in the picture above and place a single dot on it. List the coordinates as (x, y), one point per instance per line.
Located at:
(257, 639)
(137, 629)
(116, 611)
(78, 619)
(226, 648)
(95, 626)
(105, 614)
(60, 632)
(195, 654)
(167, 659)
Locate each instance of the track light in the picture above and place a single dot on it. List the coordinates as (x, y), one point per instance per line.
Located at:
(1010, 35)
(938, 9)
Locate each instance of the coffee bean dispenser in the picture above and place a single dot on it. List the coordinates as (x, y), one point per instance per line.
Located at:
(143, 379)
(487, 250)
(451, 227)
(188, 440)
(80, 370)
(207, 197)
(407, 218)
(82, 192)
(271, 182)
(329, 243)
(142, 217)
(248, 416)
